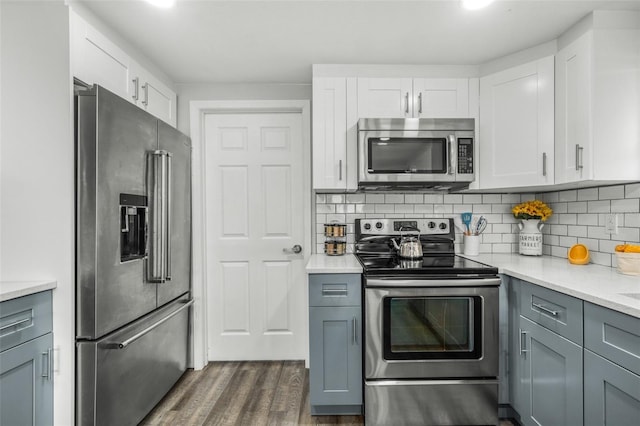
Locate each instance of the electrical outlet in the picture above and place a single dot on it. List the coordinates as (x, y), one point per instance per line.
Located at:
(611, 223)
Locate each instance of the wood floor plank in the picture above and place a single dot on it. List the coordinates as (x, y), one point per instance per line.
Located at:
(228, 407)
(256, 410)
(288, 397)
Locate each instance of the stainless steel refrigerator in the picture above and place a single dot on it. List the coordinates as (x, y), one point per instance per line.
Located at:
(133, 258)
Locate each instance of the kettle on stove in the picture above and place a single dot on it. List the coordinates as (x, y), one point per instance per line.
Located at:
(410, 246)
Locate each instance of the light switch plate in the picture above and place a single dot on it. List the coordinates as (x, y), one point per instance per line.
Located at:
(611, 223)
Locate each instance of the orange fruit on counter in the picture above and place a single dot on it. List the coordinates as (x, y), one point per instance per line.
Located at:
(621, 247)
(632, 248)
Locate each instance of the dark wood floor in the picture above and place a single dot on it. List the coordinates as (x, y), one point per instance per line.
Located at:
(244, 393)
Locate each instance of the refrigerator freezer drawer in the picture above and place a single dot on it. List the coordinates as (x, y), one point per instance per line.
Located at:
(122, 376)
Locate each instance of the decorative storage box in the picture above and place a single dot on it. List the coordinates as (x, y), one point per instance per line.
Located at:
(530, 237)
(628, 263)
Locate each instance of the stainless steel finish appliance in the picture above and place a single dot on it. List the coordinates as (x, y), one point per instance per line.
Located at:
(430, 329)
(133, 258)
(417, 153)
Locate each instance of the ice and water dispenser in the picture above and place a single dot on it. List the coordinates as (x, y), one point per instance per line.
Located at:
(133, 227)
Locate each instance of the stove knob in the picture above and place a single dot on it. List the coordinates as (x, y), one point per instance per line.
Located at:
(443, 226)
(367, 226)
(378, 225)
(431, 225)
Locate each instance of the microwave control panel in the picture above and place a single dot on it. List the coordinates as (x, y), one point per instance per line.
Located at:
(465, 156)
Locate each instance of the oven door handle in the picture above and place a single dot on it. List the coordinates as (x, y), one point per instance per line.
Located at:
(439, 282)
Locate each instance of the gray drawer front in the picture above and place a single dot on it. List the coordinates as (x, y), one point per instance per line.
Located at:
(613, 335)
(335, 290)
(25, 318)
(558, 312)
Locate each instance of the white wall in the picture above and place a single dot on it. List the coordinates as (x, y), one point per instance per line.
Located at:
(36, 160)
(228, 91)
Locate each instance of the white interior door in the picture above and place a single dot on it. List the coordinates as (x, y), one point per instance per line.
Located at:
(255, 211)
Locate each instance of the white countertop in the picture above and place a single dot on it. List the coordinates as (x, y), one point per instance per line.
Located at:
(323, 264)
(601, 285)
(14, 289)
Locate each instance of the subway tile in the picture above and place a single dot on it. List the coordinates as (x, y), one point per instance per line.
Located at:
(374, 198)
(558, 251)
(591, 243)
(345, 208)
(365, 208)
(587, 219)
(587, 194)
(335, 198)
(597, 232)
(629, 205)
(443, 208)
(559, 207)
(485, 248)
(611, 192)
(632, 190)
(481, 208)
(577, 231)
(551, 197)
(527, 197)
(395, 215)
(599, 258)
(434, 198)
(501, 248)
(472, 198)
(506, 218)
(511, 198)
(491, 198)
(355, 198)
(632, 219)
(501, 208)
(384, 208)
(462, 208)
(552, 240)
(423, 208)
(627, 234)
(567, 241)
(567, 219)
(571, 195)
(336, 218)
(509, 238)
(491, 238)
(546, 250)
(321, 198)
(394, 198)
(493, 218)
(452, 198)
(501, 228)
(599, 206)
(404, 208)
(577, 207)
(325, 208)
(559, 229)
(321, 218)
(414, 198)
(609, 246)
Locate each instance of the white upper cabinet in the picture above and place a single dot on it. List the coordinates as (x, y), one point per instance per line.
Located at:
(334, 134)
(97, 60)
(517, 126)
(413, 97)
(598, 103)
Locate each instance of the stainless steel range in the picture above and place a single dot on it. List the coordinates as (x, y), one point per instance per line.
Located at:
(431, 327)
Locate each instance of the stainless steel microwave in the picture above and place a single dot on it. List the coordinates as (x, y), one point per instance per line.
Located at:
(399, 153)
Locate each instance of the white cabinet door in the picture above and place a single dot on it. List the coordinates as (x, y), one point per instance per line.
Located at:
(329, 133)
(96, 59)
(153, 96)
(573, 111)
(517, 126)
(441, 97)
(385, 97)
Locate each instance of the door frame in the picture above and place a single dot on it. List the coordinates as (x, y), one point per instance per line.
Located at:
(198, 111)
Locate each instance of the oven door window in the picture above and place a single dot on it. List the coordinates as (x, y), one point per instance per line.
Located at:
(407, 155)
(432, 328)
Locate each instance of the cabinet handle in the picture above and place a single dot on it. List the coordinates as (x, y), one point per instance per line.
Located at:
(334, 292)
(340, 170)
(354, 340)
(145, 101)
(579, 150)
(420, 103)
(136, 91)
(13, 324)
(545, 309)
(47, 364)
(544, 164)
(406, 103)
(523, 346)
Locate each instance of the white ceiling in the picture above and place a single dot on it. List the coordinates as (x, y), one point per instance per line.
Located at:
(277, 41)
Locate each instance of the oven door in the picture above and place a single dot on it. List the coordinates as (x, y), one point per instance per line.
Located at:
(431, 332)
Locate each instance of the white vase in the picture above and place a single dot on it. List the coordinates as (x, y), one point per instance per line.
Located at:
(530, 237)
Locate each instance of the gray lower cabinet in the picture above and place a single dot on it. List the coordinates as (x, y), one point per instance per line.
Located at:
(335, 344)
(26, 364)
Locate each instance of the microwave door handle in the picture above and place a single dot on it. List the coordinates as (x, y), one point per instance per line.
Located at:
(451, 142)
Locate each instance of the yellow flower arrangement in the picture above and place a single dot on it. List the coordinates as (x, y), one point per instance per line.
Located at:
(533, 209)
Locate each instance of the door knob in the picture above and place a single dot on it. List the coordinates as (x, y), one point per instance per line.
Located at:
(295, 249)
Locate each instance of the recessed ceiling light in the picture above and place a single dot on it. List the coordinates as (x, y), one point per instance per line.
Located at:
(165, 4)
(475, 4)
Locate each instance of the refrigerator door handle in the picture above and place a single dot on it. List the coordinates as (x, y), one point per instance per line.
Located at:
(123, 344)
(168, 207)
(157, 254)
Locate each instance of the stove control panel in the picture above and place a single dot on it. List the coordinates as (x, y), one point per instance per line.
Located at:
(428, 226)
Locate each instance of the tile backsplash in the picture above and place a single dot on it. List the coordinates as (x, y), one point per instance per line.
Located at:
(578, 216)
